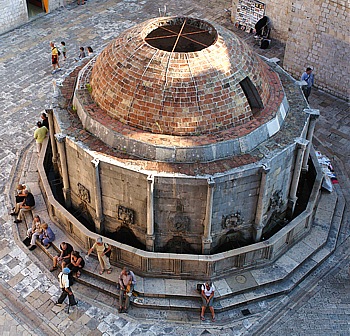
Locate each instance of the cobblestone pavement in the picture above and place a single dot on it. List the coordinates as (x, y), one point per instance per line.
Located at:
(319, 306)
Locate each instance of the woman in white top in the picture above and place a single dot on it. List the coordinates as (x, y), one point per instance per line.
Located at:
(207, 295)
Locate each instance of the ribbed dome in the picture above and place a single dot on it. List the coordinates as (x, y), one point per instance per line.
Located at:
(179, 76)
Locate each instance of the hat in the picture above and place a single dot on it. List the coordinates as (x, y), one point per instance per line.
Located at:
(99, 239)
(66, 270)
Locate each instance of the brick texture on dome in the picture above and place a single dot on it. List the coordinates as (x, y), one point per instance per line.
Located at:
(177, 93)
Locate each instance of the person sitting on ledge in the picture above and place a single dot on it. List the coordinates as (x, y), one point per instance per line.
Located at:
(64, 257)
(27, 205)
(34, 232)
(77, 263)
(207, 295)
(20, 196)
(47, 237)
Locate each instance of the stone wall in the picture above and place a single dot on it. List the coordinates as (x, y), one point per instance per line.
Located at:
(119, 187)
(278, 11)
(179, 209)
(319, 37)
(12, 14)
(316, 34)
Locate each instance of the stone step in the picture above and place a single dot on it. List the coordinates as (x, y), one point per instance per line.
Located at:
(254, 285)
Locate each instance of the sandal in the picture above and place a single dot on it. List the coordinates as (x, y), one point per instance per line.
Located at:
(213, 319)
(202, 318)
(109, 271)
(101, 272)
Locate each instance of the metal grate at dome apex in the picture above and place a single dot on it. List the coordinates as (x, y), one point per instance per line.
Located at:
(182, 35)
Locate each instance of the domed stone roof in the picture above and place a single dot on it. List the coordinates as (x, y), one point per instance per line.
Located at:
(180, 76)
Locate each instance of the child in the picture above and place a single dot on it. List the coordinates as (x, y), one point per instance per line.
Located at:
(81, 54)
(90, 51)
(64, 50)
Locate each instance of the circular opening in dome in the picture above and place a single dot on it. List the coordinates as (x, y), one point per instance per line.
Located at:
(182, 35)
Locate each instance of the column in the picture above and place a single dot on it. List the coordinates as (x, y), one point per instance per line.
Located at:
(64, 168)
(49, 113)
(300, 147)
(206, 239)
(98, 197)
(258, 223)
(150, 213)
(313, 116)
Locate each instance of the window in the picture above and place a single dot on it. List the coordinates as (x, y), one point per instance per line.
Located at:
(252, 95)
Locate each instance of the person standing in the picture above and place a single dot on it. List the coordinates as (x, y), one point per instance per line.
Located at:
(308, 77)
(44, 120)
(207, 295)
(63, 278)
(103, 250)
(127, 283)
(39, 135)
(64, 50)
(54, 58)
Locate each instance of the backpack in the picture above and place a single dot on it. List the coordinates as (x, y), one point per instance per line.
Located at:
(58, 51)
(107, 254)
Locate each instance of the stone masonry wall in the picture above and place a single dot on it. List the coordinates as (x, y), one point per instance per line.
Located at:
(119, 187)
(319, 37)
(235, 195)
(278, 11)
(128, 189)
(179, 209)
(316, 34)
(12, 14)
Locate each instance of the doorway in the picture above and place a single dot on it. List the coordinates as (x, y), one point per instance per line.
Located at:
(35, 7)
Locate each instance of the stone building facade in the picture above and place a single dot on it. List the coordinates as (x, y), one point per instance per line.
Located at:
(14, 13)
(316, 34)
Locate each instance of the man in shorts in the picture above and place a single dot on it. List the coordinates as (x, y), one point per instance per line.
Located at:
(64, 257)
(54, 58)
(207, 295)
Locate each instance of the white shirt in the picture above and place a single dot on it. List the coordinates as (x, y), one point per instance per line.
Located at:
(64, 280)
(207, 292)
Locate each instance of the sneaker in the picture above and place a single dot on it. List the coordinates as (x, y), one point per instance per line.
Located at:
(13, 214)
(74, 304)
(32, 247)
(53, 269)
(58, 304)
(17, 221)
(53, 72)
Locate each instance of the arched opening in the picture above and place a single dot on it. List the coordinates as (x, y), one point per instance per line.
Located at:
(252, 95)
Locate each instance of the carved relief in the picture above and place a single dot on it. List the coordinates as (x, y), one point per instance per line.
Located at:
(179, 221)
(233, 220)
(276, 201)
(83, 193)
(126, 215)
